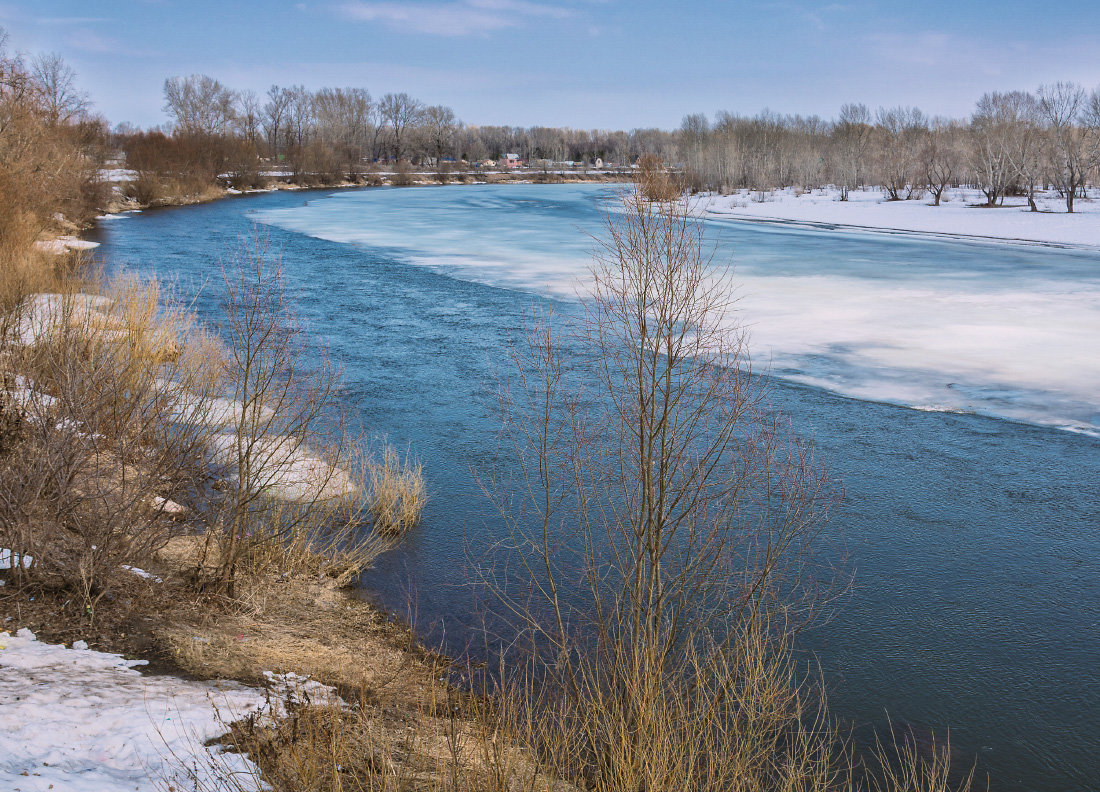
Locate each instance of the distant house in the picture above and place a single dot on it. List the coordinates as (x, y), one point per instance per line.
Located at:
(510, 161)
(597, 161)
(486, 163)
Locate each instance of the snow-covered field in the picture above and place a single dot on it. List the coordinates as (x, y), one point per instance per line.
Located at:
(958, 216)
(86, 721)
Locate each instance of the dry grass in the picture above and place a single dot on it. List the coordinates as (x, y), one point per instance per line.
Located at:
(397, 491)
(656, 182)
(282, 624)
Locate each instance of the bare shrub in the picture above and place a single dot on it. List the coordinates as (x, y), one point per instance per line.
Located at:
(402, 174)
(657, 531)
(294, 495)
(657, 183)
(145, 188)
(99, 472)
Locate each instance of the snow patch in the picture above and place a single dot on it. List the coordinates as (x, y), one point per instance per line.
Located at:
(86, 721)
(10, 559)
(64, 244)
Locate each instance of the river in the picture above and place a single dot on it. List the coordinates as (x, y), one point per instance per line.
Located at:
(952, 389)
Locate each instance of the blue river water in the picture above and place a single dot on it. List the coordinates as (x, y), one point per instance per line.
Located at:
(951, 389)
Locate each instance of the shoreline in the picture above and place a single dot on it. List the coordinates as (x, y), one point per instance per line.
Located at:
(117, 206)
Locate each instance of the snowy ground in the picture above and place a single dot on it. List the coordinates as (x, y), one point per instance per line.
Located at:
(957, 217)
(86, 721)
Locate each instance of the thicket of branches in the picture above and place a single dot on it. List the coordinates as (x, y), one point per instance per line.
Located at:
(334, 134)
(50, 152)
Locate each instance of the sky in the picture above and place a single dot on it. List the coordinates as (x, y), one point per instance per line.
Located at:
(612, 64)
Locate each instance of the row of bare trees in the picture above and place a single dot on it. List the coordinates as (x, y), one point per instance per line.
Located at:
(345, 129)
(354, 126)
(1015, 143)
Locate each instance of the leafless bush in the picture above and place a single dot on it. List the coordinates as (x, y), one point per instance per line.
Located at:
(402, 174)
(656, 182)
(99, 472)
(294, 496)
(658, 529)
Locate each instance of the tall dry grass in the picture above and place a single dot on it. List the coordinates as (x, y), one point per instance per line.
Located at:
(397, 491)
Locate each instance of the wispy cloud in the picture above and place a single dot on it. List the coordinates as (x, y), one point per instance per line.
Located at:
(459, 18)
(70, 20)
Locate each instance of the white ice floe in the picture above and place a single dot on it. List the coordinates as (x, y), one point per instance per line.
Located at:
(86, 721)
(958, 216)
(954, 311)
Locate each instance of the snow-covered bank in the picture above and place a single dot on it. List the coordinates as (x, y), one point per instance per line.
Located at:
(86, 721)
(957, 216)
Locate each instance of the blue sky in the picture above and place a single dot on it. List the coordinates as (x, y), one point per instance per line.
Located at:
(580, 63)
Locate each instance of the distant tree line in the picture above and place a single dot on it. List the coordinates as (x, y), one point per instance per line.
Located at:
(334, 134)
(1014, 144)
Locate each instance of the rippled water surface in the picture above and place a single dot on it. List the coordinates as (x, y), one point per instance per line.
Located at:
(971, 525)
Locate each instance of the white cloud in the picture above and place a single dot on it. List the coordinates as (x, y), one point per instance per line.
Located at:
(460, 18)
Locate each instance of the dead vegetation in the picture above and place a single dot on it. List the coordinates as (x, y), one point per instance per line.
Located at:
(397, 491)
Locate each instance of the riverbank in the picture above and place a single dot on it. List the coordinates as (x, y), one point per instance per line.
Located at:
(136, 731)
(144, 697)
(122, 198)
(960, 215)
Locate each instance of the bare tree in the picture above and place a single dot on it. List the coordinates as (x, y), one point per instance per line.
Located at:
(991, 130)
(57, 82)
(299, 117)
(248, 116)
(900, 133)
(1076, 149)
(1026, 141)
(851, 141)
(275, 112)
(199, 105)
(660, 514)
(439, 128)
(345, 120)
(399, 111)
(942, 157)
